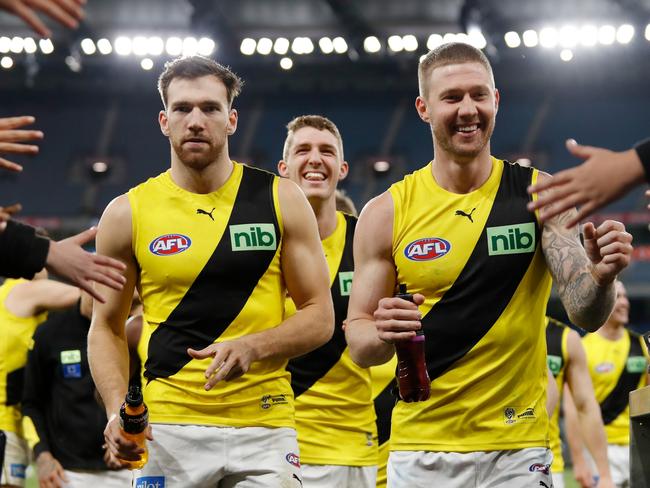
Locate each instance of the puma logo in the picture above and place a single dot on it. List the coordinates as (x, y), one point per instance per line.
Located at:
(296, 477)
(468, 215)
(209, 214)
(541, 483)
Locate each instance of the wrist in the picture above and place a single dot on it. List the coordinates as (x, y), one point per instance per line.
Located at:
(642, 153)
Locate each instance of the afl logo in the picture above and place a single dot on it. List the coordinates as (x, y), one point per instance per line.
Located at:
(604, 368)
(170, 244)
(427, 249)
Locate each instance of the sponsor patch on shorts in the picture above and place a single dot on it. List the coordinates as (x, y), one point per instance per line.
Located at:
(150, 482)
(293, 459)
(539, 468)
(18, 470)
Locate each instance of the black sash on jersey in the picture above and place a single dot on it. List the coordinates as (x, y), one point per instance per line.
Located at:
(384, 404)
(309, 368)
(14, 387)
(554, 333)
(485, 286)
(223, 286)
(619, 398)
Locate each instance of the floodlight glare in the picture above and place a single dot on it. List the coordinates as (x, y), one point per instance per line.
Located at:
(247, 46)
(5, 44)
(190, 46)
(6, 62)
(476, 38)
(647, 32)
(434, 41)
(155, 46)
(206, 46)
(530, 38)
(326, 45)
(340, 46)
(568, 36)
(140, 45)
(548, 37)
(566, 55)
(30, 45)
(281, 46)
(17, 45)
(104, 46)
(264, 46)
(146, 64)
(512, 39)
(307, 45)
(606, 35)
(625, 33)
(286, 63)
(395, 43)
(371, 44)
(88, 46)
(174, 46)
(449, 37)
(588, 35)
(123, 46)
(410, 42)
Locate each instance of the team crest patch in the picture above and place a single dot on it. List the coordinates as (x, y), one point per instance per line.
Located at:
(293, 459)
(150, 482)
(539, 468)
(170, 244)
(427, 249)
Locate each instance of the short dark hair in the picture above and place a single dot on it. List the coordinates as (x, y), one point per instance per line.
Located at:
(317, 122)
(192, 67)
(450, 53)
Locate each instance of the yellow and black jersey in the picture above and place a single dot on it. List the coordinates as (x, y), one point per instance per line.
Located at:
(477, 260)
(557, 357)
(16, 333)
(209, 271)
(334, 414)
(384, 395)
(616, 368)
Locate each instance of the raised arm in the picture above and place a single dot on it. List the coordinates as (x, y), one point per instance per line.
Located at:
(375, 318)
(307, 278)
(588, 410)
(108, 353)
(585, 275)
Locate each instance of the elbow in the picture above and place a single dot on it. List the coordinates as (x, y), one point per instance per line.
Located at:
(587, 323)
(360, 359)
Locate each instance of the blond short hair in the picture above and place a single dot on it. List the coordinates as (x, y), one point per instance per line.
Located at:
(317, 122)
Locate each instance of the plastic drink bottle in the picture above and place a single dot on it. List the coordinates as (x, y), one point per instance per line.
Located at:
(134, 418)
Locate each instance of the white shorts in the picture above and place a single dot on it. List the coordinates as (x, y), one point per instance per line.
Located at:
(104, 479)
(187, 456)
(15, 461)
(521, 468)
(558, 480)
(328, 476)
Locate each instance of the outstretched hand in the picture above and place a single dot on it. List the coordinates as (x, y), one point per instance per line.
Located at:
(12, 138)
(66, 12)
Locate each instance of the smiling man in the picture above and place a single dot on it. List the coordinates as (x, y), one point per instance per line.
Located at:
(212, 246)
(334, 409)
(480, 288)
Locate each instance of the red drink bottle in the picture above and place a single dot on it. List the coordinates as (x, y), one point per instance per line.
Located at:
(412, 376)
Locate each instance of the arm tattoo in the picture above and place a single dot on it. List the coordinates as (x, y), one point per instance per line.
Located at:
(587, 304)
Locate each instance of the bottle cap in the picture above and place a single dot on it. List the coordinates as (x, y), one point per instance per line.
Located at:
(134, 396)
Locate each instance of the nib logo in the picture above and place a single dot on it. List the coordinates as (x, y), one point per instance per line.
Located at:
(253, 237)
(511, 239)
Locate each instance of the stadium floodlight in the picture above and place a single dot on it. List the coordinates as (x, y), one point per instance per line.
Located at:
(190, 46)
(647, 32)
(476, 37)
(140, 45)
(449, 37)
(340, 45)
(30, 45)
(123, 46)
(73, 63)
(307, 46)
(17, 45)
(625, 33)
(530, 38)
(146, 64)
(371, 44)
(206, 46)
(104, 46)
(548, 37)
(88, 46)
(434, 41)
(588, 35)
(396, 43)
(155, 46)
(6, 62)
(326, 45)
(566, 55)
(46, 46)
(568, 36)
(286, 63)
(247, 46)
(606, 35)
(462, 37)
(410, 43)
(281, 46)
(174, 46)
(5, 44)
(512, 39)
(264, 46)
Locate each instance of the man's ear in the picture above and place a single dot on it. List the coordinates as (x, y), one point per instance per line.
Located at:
(283, 169)
(164, 123)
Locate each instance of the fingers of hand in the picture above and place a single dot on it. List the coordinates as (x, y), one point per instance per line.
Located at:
(18, 148)
(56, 11)
(220, 355)
(20, 135)
(206, 352)
(88, 287)
(609, 226)
(106, 276)
(84, 237)
(30, 17)
(106, 261)
(392, 337)
(394, 303)
(10, 165)
(16, 122)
